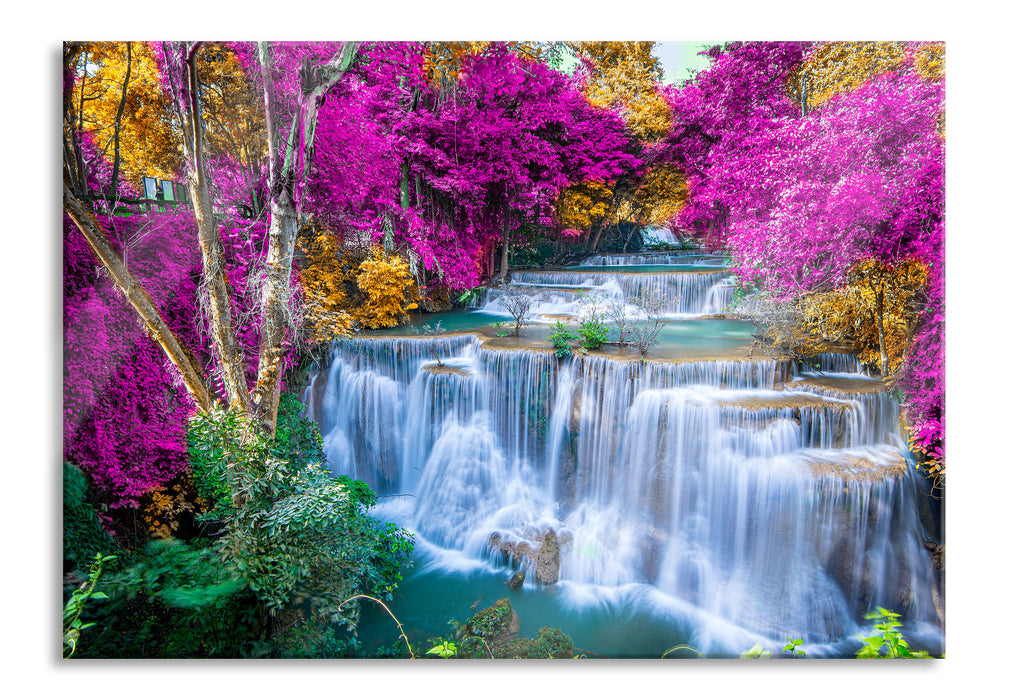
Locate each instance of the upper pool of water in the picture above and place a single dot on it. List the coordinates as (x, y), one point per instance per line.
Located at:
(640, 269)
(679, 340)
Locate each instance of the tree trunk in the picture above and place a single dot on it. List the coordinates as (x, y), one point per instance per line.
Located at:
(73, 159)
(288, 176)
(504, 255)
(882, 334)
(804, 108)
(138, 299)
(214, 285)
(119, 118)
(404, 186)
(602, 224)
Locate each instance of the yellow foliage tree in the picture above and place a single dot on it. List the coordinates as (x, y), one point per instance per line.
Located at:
(842, 66)
(662, 193)
(625, 76)
(327, 282)
(930, 61)
(584, 206)
(876, 310)
(149, 142)
(168, 506)
(232, 108)
(388, 288)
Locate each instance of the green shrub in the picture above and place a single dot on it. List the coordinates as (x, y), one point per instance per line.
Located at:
(293, 532)
(593, 333)
(83, 534)
(176, 600)
(890, 643)
(560, 338)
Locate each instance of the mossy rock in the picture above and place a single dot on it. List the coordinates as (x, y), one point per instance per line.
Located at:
(492, 622)
(491, 633)
(550, 643)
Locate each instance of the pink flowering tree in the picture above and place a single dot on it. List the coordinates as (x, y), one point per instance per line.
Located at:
(799, 199)
(491, 159)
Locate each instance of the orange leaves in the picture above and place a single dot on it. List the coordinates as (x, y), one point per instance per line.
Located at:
(851, 313)
(584, 205)
(624, 77)
(388, 288)
(345, 288)
(842, 67)
(930, 61)
(149, 142)
(328, 283)
(172, 506)
(445, 58)
(233, 116)
(662, 193)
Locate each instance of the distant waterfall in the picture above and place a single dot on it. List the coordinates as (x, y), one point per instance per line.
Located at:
(688, 293)
(672, 257)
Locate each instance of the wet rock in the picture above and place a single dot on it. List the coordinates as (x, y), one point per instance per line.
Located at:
(493, 633)
(548, 559)
(436, 299)
(540, 551)
(517, 580)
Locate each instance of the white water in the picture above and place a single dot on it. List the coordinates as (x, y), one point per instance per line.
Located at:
(675, 476)
(687, 294)
(701, 489)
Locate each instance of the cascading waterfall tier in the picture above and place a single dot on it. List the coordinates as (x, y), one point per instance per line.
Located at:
(780, 508)
(677, 293)
(655, 258)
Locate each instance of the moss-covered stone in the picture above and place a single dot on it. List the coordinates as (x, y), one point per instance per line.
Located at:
(517, 580)
(491, 633)
(492, 622)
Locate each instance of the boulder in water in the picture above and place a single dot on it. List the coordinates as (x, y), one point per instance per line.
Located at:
(548, 559)
(517, 580)
(493, 633)
(541, 552)
(495, 623)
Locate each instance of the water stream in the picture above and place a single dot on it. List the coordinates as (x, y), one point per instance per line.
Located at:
(709, 498)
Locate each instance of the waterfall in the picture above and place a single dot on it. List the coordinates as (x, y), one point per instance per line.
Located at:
(757, 498)
(671, 257)
(776, 510)
(679, 293)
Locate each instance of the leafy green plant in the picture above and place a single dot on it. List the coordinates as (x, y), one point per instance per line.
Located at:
(757, 651)
(561, 337)
(83, 534)
(173, 600)
(292, 532)
(793, 646)
(890, 644)
(469, 295)
(593, 332)
(445, 649)
(503, 324)
(72, 610)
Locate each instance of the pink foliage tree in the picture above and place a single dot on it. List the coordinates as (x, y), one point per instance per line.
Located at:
(798, 200)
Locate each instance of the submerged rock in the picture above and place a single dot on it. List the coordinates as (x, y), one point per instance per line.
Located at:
(445, 369)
